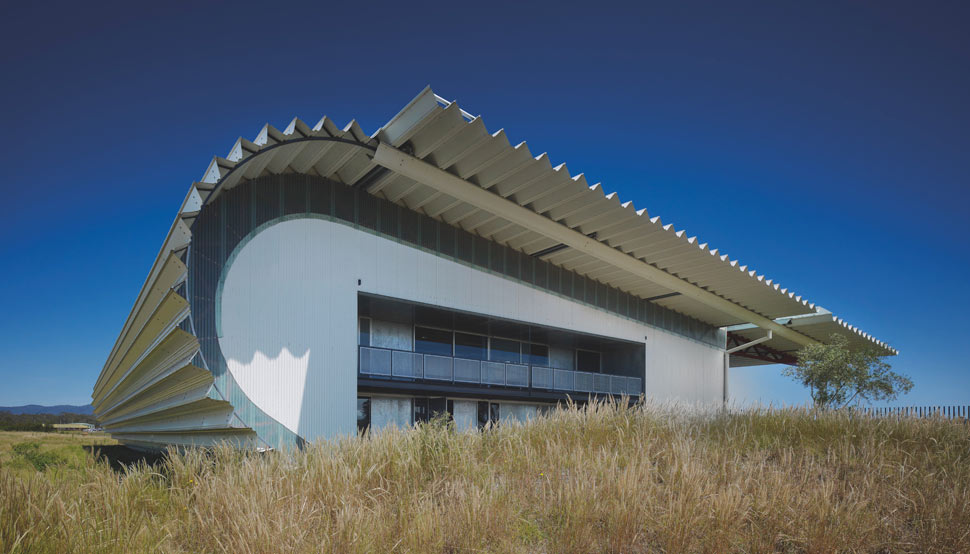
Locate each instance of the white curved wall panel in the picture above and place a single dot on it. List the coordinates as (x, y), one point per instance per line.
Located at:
(288, 323)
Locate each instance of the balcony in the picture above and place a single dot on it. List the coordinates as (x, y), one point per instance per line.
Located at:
(388, 363)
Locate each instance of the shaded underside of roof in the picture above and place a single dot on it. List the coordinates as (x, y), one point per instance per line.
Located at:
(819, 326)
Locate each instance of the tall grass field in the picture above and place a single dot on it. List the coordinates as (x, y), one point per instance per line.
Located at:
(607, 478)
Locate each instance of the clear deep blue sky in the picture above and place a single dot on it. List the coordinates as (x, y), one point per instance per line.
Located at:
(825, 144)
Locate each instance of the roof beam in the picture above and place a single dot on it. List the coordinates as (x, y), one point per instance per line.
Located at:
(458, 188)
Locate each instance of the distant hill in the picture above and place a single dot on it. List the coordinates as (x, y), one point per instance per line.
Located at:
(33, 409)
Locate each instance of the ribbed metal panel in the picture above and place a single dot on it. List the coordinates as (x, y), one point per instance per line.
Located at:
(181, 384)
(169, 355)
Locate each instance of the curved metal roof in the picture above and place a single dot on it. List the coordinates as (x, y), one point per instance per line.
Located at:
(446, 137)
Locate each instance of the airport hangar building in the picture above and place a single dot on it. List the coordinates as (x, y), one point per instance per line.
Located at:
(320, 280)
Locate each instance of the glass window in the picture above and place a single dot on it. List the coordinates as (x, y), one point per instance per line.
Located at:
(432, 341)
(438, 407)
(472, 347)
(422, 411)
(536, 354)
(487, 414)
(363, 414)
(364, 332)
(505, 350)
(587, 361)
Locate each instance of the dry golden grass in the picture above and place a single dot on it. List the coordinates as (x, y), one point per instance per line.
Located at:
(606, 479)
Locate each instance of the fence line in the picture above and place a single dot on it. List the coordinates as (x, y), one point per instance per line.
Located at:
(943, 412)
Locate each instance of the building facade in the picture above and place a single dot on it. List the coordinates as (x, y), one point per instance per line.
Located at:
(321, 281)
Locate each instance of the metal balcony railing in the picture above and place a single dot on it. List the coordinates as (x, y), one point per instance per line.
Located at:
(385, 362)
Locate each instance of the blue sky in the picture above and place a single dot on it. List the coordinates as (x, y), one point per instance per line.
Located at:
(824, 144)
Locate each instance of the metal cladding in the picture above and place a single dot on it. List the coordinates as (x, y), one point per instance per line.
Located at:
(156, 387)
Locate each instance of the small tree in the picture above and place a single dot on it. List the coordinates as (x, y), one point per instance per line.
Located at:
(837, 376)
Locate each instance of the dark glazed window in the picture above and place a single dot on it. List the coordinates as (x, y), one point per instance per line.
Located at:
(472, 347)
(536, 354)
(438, 407)
(432, 341)
(363, 414)
(487, 413)
(587, 361)
(364, 331)
(422, 411)
(505, 350)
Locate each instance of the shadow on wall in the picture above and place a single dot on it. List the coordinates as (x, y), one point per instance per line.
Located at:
(277, 321)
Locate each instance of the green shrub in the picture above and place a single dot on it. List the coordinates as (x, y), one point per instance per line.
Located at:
(30, 451)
